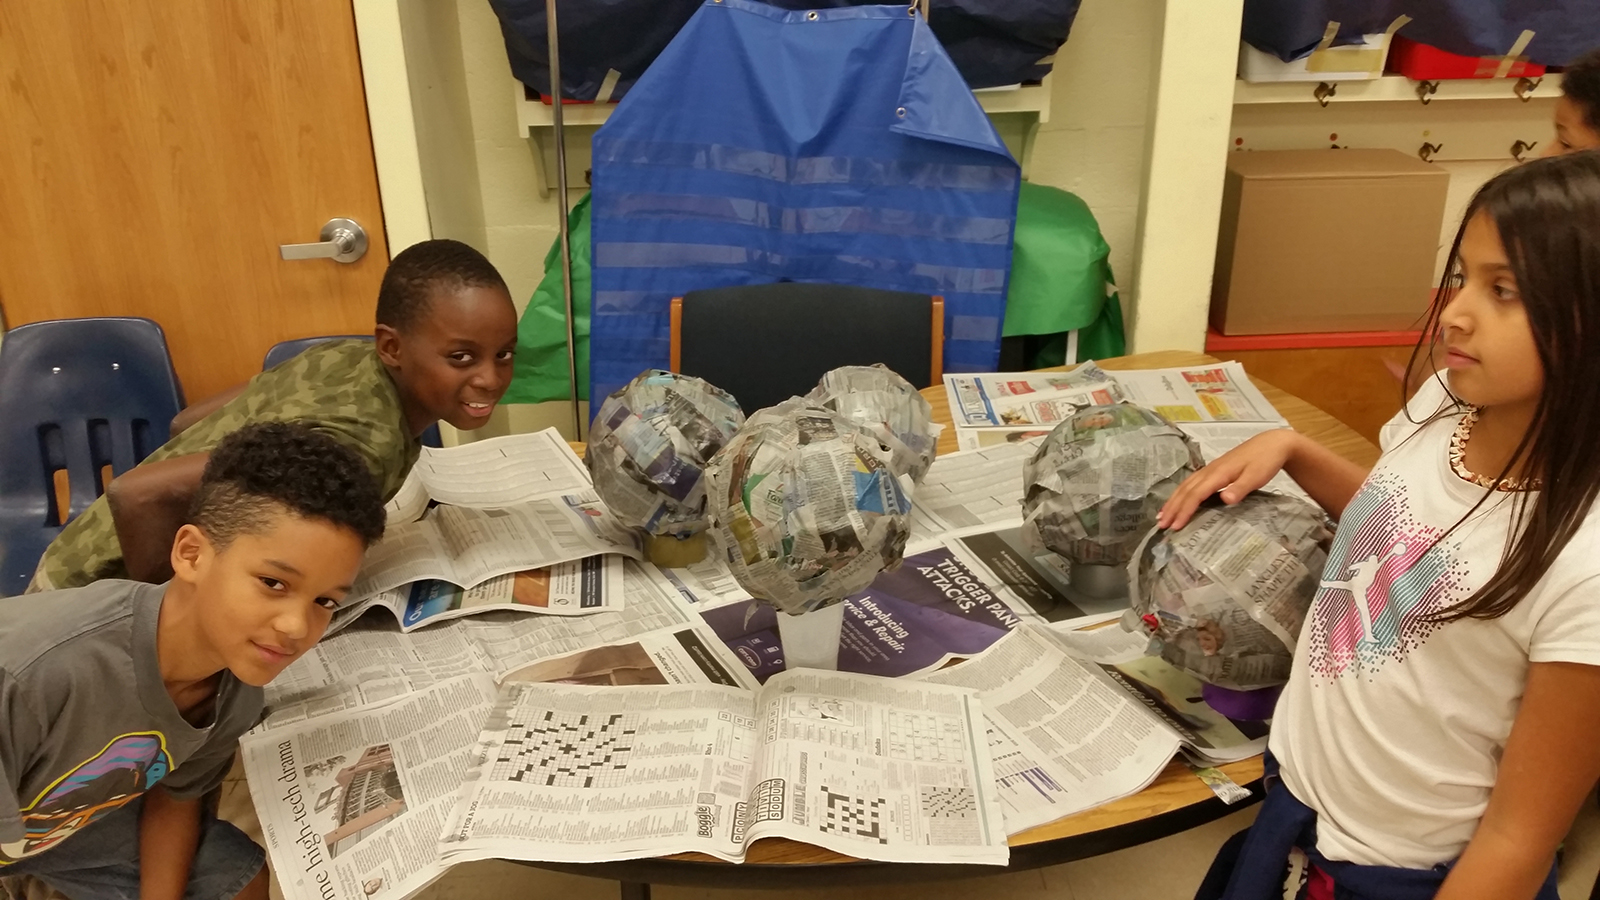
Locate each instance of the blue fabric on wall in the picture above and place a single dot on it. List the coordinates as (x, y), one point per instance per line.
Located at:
(1563, 29)
(836, 145)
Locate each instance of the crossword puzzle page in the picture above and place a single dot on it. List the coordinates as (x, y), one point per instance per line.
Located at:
(865, 766)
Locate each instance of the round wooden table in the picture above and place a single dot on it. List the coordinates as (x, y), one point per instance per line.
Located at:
(1176, 801)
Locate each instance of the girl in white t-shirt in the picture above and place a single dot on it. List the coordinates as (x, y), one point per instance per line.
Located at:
(1442, 723)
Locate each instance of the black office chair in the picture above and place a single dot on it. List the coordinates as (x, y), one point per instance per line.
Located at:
(768, 342)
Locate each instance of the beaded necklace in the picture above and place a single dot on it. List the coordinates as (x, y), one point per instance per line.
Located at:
(1458, 460)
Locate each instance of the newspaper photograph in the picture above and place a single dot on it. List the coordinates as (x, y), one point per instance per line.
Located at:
(500, 471)
(866, 767)
(685, 654)
(929, 611)
(467, 547)
(350, 804)
(577, 588)
(1001, 399)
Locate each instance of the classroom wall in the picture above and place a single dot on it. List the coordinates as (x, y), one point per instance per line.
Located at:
(483, 186)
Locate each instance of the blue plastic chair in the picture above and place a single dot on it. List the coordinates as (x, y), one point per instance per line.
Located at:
(75, 395)
(289, 349)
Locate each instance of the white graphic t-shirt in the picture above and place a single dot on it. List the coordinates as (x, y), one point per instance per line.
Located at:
(1392, 726)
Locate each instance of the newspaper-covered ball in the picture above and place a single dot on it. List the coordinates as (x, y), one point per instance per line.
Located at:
(1093, 487)
(888, 406)
(805, 507)
(1224, 597)
(649, 446)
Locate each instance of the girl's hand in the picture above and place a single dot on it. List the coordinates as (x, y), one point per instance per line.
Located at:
(1233, 474)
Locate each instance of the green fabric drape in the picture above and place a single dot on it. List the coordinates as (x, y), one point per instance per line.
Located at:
(540, 371)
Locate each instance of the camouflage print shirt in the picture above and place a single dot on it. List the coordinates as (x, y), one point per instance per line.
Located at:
(339, 387)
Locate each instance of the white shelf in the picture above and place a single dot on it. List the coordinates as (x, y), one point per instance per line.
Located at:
(534, 113)
(1392, 88)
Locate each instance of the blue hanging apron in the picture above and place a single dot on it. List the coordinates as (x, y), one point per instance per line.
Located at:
(833, 146)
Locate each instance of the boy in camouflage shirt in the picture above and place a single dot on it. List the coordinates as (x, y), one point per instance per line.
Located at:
(446, 331)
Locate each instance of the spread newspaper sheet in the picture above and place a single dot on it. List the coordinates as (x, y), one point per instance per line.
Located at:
(864, 766)
(1068, 733)
(500, 471)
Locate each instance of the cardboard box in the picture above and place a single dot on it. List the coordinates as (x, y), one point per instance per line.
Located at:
(1326, 240)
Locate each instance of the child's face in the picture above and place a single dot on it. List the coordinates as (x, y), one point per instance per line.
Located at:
(1573, 131)
(267, 597)
(1489, 345)
(455, 363)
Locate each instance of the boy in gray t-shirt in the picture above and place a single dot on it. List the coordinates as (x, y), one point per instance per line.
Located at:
(121, 704)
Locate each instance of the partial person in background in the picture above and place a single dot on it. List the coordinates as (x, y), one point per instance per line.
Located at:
(445, 335)
(1578, 110)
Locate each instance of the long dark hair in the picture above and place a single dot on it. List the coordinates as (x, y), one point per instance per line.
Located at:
(1547, 213)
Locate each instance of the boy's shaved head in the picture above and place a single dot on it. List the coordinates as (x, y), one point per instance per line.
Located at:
(266, 469)
(421, 269)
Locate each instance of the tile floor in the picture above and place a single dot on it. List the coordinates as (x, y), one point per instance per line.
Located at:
(1168, 869)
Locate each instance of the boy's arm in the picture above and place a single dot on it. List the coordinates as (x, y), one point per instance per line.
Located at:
(194, 412)
(1551, 762)
(149, 503)
(169, 832)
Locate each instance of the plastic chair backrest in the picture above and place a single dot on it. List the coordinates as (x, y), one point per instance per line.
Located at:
(289, 349)
(765, 343)
(77, 395)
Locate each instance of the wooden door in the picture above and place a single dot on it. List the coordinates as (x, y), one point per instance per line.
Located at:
(155, 153)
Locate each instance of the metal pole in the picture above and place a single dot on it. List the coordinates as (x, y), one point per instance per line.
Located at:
(561, 201)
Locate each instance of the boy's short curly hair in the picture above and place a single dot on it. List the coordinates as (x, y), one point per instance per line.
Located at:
(1580, 82)
(267, 468)
(420, 269)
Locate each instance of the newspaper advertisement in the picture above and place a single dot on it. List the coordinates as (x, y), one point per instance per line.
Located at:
(1215, 393)
(1226, 595)
(468, 546)
(1074, 740)
(351, 804)
(500, 471)
(1035, 583)
(867, 767)
(1002, 399)
(930, 610)
(580, 587)
(371, 661)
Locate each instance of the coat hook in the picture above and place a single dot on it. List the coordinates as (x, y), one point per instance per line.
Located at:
(1427, 150)
(1525, 87)
(1426, 90)
(1521, 147)
(1324, 90)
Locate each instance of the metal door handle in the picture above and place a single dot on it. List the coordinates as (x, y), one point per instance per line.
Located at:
(343, 240)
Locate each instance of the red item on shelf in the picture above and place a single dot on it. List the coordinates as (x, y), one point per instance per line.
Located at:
(1422, 62)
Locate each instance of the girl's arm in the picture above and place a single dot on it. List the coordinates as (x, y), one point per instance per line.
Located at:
(1551, 762)
(1329, 478)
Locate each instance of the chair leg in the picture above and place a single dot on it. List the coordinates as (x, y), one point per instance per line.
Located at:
(634, 890)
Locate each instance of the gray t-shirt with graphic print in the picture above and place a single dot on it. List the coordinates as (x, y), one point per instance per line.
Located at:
(86, 724)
